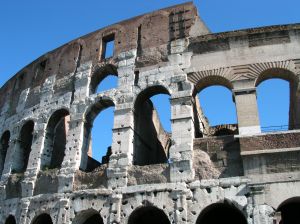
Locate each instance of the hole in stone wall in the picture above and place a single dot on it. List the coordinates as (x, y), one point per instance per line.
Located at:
(152, 126)
(273, 105)
(215, 112)
(97, 135)
(148, 215)
(221, 213)
(108, 45)
(4, 144)
(10, 220)
(24, 147)
(43, 219)
(55, 139)
(289, 211)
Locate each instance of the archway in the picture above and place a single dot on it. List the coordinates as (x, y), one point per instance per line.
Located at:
(24, 147)
(10, 220)
(43, 219)
(148, 215)
(89, 216)
(214, 108)
(104, 78)
(55, 139)
(4, 144)
(289, 210)
(221, 213)
(277, 100)
(151, 140)
(97, 135)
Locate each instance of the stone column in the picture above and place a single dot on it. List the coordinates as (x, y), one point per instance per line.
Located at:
(246, 107)
(181, 151)
(122, 148)
(115, 209)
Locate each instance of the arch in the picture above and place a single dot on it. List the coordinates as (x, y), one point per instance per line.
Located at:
(89, 216)
(87, 162)
(151, 141)
(148, 215)
(4, 144)
(10, 220)
(100, 73)
(279, 73)
(207, 112)
(23, 147)
(293, 80)
(55, 139)
(289, 211)
(222, 212)
(213, 80)
(43, 219)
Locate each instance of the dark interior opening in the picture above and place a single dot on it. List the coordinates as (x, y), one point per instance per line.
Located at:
(148, 215)
(4, 144)
(55, 139)
(43, 219)
(221, 213)
(290, 211)
(25, 142)
(10, 220)
(94, 219)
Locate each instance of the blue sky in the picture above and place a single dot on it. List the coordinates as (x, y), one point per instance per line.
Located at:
(31, 28)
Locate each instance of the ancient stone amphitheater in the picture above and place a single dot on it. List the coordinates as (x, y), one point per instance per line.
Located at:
(197, 174)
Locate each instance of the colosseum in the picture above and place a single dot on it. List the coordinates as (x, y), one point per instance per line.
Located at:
(197, 174)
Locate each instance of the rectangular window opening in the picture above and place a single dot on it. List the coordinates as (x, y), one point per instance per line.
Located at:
(108, 45)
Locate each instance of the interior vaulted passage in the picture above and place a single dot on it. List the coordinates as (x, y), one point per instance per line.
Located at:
(23, 147)
(148, 215)
(55, 139)
(10, 220)
(43, 219)
(4, 144)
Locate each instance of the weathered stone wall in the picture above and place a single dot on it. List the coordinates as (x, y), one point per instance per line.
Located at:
(203, 172)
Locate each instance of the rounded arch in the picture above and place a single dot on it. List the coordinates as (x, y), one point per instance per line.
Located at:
(289, 211)
(148, 215)
(287, 102)
(10, 220)
(89, 216)
(221, 212)
(151, 141)
(100, 72)
(279, 73)
(24, 146)
(4, 144)
(213, 80)
(88, 163)
(149, 92)
(55, 139)
(43, 218)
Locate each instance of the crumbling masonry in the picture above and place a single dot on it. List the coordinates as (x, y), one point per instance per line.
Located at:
(196, 174)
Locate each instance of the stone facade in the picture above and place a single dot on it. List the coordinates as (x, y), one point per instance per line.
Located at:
(197, 174)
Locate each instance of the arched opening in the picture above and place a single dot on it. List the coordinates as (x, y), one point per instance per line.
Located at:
(148, 215)
(24, 147)
(151, 139)
(55, 140)
(4, 144)
(289, 211)
(104, 78)
(97, 135)
(10, 220)
(221, 213)
(43, 219)
(89, 216)
(276, 99)
(214, 108)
